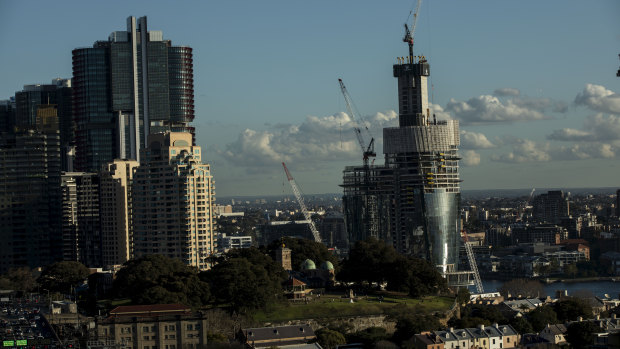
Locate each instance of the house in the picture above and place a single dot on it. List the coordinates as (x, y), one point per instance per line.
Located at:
(554, 334)
(427, 340)
(295, 289)
(453, 339)
(281, 336)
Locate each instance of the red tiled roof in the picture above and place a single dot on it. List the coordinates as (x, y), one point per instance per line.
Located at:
(150, 310)
(294, 282)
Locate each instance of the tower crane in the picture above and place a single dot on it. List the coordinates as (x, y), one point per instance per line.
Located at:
(302, 204)
(410, 33)
(472, 263)
(368, 151)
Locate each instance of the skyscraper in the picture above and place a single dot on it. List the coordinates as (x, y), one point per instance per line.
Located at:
(172, 199)
(413, 200)
(30, 199)
(134, 84)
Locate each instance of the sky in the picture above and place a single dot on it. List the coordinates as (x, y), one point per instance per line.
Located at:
(532, 83)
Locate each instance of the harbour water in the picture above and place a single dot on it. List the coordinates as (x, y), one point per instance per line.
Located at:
(598, 288)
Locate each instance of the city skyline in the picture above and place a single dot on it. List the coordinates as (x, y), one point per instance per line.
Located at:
(533, 85)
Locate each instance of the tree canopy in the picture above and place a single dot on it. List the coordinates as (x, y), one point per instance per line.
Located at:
(581, 334)
(245, 279)
(63, 276)
(541, 316)
(329, 338)
(569, 309)
(155, 279)
(18, 279)
(523, 287)
(373, 261)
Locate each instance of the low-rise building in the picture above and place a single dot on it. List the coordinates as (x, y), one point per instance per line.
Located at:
(555, 334)
(159, 326)
(281, 336)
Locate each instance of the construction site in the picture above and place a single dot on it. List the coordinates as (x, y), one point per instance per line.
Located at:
(412, 201)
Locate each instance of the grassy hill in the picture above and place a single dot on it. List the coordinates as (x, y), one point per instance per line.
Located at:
(334, 306)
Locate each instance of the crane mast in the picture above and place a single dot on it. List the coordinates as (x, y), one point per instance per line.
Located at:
(302, 204)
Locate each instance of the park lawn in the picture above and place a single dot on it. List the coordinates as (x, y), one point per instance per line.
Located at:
(335, 307)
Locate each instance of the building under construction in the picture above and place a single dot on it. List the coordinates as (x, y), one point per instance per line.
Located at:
(413, 200)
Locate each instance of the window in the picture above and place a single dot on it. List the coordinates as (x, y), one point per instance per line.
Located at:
(190, 327)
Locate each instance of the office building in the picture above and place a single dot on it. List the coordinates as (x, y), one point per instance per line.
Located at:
(412, 201)
(115, 211)
(30, 199)
(172, 198)
(127, 87)
(81, 220)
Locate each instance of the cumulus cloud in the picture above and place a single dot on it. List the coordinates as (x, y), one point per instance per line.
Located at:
(599, 98)
(474, 140)
(585, 151)
(507, 91)
(490, 109)
(596, 128)
(315, 141)
(525, 150)
(470, 158)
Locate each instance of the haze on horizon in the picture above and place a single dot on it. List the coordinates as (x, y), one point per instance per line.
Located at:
(533, 84)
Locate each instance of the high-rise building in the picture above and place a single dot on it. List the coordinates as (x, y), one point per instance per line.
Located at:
(551, 207)
(413, 200)
(30, 199)
(134, 84)
(115, 210)
(172, 198)
(7, 115)
(81, 221)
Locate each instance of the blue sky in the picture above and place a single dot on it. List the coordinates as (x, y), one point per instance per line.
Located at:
(532, 82)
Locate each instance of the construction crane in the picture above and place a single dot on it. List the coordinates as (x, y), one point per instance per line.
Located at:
(410, 33)
(368, 151)
(302, 204)
(472, 263)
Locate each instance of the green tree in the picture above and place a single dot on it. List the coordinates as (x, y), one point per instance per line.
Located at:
(521, 325)
(571, 270)
(63, 276)
(462, 295)
(368, 261)
(329, 339)
(415, 276)
(369, 336)
(541, 316)
(157, 279)
(19, 279)
(581, 334)
(523, 287)
(408, 324)
(569, 309)
(245, 280)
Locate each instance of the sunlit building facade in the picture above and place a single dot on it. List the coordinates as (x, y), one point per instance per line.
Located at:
(173, 195)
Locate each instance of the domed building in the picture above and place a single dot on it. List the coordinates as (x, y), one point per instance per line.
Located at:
(308, 264)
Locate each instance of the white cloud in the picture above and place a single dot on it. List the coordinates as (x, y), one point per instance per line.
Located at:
(470, 158)
(570, 134)
(525, 150)
(490, 109)
(313, 143)
(585, 151)
(599, 98)
(474, 140)
(596, 128)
